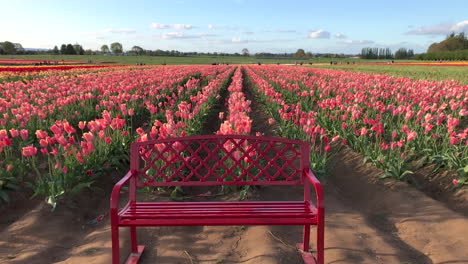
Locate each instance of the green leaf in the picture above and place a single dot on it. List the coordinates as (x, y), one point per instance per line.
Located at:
(407, 172)
(52, 201)
(4, 196)
(80, 186)
(364, 161)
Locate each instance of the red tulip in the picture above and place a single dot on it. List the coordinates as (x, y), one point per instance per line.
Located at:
(24, 134)
(29, 151)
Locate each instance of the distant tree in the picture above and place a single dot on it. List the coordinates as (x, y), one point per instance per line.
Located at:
(451, 42)
(376, 53)
(78, 49)
(401, 53)
(89, 52)
(55, 50)
(8, 47)
(300, 53)
(116, 48)
(18, 48)
(245, 52)
(137, 50)
(105, 49)
(309, 54)
(70, 50)
(388, 54)
(63, 49)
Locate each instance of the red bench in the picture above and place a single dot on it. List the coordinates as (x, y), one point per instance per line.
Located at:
(213, 160)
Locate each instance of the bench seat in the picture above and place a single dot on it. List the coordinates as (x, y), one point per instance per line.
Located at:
(218, 213)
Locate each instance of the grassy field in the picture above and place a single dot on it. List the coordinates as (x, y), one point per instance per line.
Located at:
(151, 60)
(459, 73)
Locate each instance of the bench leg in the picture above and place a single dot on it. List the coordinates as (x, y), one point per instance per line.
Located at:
(303, 247)
(306, 238)
(137, 250)
(320, 242)
(133, 239)
(115, 244)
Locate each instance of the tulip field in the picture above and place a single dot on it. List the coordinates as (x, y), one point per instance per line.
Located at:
(61, 129)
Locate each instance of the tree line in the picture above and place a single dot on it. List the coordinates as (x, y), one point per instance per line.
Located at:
(454, 47)
(8, 47)
(386, 53)
(69, 49)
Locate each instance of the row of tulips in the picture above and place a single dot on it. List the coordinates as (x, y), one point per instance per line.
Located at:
(65, 156)
(47, 68)
(397, 124)
(236, 122)
(26, 75)
(40, 102)
(293, 122)
(237, 119)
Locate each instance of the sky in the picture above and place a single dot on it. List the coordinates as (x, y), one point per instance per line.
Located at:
(335, 26)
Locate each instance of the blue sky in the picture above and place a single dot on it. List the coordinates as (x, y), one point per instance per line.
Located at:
(231, 25)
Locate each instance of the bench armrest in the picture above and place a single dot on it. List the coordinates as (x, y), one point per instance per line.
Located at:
(318, 188)
(114, 201)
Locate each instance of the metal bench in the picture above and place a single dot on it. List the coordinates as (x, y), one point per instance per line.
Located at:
(218, 160)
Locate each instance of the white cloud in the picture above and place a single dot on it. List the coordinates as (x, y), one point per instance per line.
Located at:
(121, 31)
(460, 27)
(180, 35)
(211, 26)
(340, 36)
(248, 33)
(285, 31)
(176, 35)
(357, 42)
(206, 35)
(173, 26)
(319, 34)
(440, 29)
(238, 40)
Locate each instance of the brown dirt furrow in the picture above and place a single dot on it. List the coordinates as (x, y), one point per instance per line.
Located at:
(432, 232)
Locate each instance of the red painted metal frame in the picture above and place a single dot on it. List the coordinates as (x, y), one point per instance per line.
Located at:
(135, 213)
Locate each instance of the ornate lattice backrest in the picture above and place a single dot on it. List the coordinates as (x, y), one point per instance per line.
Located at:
(219, 160)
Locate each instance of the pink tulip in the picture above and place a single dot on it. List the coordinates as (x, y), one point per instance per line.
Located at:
(3, 134)
(411, 135)
(24, 134)
(29, 151)
(88, 136)
(14, 133)
(41, 134)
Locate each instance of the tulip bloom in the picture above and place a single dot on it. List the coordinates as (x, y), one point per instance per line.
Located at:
(29, 151)
(24, 134)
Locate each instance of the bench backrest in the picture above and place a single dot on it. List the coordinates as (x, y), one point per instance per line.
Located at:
(219, 160)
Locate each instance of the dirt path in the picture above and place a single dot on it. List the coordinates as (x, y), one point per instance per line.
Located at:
(367, 221)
